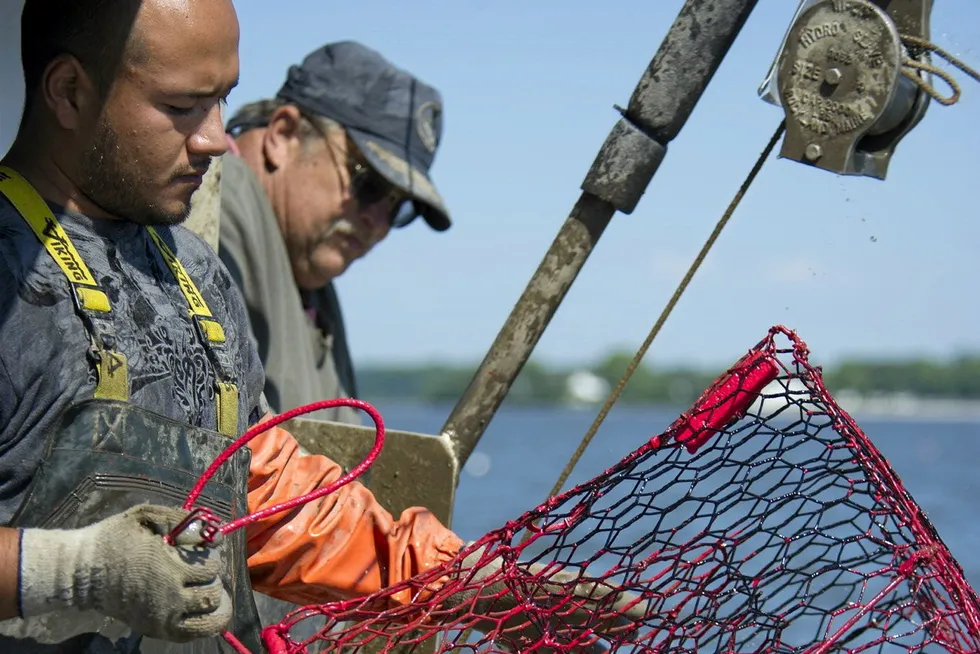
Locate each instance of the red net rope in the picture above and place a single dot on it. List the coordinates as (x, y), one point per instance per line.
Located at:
(762, 520)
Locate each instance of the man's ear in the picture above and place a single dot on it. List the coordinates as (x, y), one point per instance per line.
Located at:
(281, 136)
(68, 91)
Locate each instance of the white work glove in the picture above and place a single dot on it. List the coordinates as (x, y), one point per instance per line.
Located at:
(122, 568)
(487, 595)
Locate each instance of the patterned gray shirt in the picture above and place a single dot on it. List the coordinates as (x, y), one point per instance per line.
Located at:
(44, 367)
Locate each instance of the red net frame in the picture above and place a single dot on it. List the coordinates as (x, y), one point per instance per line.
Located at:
(762, 520)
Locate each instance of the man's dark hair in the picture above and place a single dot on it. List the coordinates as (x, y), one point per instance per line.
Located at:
(93, 31)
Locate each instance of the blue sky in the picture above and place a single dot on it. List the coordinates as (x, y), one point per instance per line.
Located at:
(857, 266)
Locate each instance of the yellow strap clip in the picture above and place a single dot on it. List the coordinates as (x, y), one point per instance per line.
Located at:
(227, 400)
(113, 376)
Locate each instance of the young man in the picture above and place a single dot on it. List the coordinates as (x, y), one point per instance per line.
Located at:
(324, 171)
(127, 365)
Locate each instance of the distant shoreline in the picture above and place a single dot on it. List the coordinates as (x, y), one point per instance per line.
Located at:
(899, 407)
(914, 388)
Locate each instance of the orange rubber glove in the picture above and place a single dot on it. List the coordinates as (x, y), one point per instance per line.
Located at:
(341, 546)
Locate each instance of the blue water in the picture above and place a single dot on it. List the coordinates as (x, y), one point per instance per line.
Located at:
(525, 449)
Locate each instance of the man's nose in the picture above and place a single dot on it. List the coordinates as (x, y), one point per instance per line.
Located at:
(209, 138)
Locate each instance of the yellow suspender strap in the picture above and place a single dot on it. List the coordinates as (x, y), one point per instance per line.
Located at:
(90, 300)
(93, 303)
(213, 335)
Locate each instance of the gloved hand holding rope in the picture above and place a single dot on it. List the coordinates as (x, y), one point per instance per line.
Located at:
(121, 568)
(157, 569)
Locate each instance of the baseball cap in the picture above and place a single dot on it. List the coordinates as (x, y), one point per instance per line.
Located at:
(393, 117)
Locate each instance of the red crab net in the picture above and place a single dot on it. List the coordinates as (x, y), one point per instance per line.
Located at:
(762, 520)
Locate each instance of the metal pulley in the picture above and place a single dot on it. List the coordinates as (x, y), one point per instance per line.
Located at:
(841, 78)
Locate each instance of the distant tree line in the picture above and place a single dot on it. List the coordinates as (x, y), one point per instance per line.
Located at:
(957, 378)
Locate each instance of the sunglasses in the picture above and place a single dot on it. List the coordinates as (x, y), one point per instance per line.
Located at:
(368, 186)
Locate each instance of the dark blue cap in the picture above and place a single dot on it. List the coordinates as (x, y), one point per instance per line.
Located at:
(394, 118)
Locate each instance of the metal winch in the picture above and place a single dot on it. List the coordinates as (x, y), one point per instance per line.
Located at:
(843, 77)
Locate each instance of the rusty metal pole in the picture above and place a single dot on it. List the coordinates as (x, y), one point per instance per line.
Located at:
(660, 105)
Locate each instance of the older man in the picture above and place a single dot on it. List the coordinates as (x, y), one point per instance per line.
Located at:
(324, 171)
